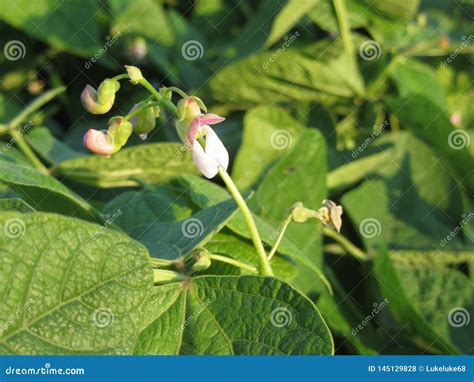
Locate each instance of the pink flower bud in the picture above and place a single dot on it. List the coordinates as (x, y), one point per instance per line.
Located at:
(100, 142)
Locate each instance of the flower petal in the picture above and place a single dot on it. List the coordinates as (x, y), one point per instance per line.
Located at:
(210, 119)
(207, 165)
(99, 142)
(215, 148)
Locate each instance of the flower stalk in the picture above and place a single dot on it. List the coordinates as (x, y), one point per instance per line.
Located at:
(264, 262)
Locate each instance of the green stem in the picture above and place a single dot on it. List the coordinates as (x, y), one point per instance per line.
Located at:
(26, 149)
(178, 91)
(236, 263)
(280, 236)
(346, 244)
(139, 109)
(341, 13)
(35, 105)
(161, 263)
(166, 276)
(163, 101)
(264, 264)
(120, 77)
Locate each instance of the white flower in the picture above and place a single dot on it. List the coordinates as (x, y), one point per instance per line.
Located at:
(208, 159)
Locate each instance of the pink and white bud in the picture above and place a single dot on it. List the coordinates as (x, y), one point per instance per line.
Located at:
(100, 142)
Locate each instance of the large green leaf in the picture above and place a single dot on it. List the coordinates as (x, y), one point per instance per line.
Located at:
(318, 72)
(163, 220)
(430, 122)
(431, 301)
(68, 25)
(269, 133)
(69, 287)
(233, 315)
(44, 192)
(51, 149)
(151, 163)
(144, 17)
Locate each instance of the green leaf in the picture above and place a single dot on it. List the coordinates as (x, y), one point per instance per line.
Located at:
(286, 19)
(246, 315)
(69, 287)
(318, 72)
(169, 233)
(424, 299)
(229, 244)
(150, 163)
(269, 133)
(51, 149)
(144, 17)
(44, 192)
(430, 123)
(70, 26)
(15, 204)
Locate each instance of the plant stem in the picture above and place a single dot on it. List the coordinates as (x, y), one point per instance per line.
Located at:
(139, 109)
(166, 276)
(120, 77)
(280, 236)
(163, 101)
(265, 267)
(341, 13)
(346, 244)
(35, 105)
(159, 263)
(236, 263)
(26, 149)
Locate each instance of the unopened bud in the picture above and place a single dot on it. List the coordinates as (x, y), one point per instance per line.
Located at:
(300, 214)
(202, 263)
(134, 73)
(102, 100)
(143, 122)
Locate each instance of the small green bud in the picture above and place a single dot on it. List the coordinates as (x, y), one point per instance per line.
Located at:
(102, 100)
(134, 73)
(143, 122)
(202, 263)
(119, 130)
(300, 214)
